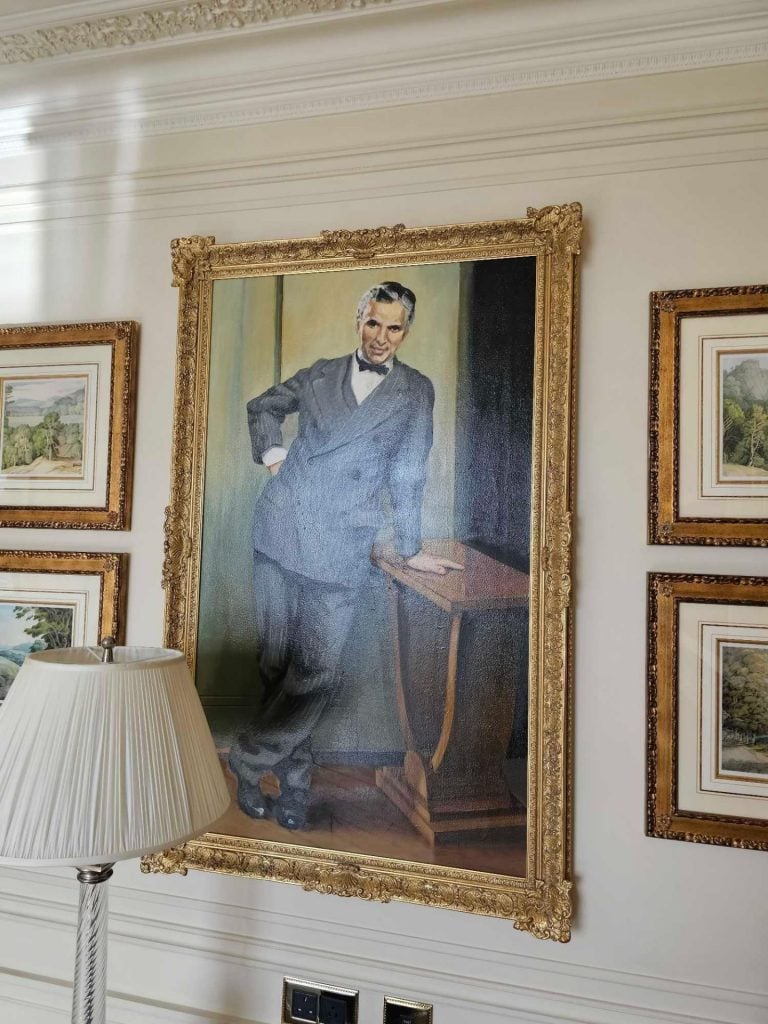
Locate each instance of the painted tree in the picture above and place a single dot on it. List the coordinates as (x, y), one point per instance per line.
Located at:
(10, 451)
(745, 414)
(50, 625)
(71, 441)
(51, 427)
(745, 689)
(24, 446)
(756, 435)
(733, 428)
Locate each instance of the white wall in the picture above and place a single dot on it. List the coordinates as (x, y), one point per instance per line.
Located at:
(672, 172)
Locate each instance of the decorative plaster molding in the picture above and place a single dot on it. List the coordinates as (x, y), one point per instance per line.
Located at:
(451, 157)
(181, 202)
(471, 67)
(162, 23)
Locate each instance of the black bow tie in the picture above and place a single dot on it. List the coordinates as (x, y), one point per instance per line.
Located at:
(364, 365)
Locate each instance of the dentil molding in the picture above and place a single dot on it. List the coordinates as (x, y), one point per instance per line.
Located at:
(451, 157)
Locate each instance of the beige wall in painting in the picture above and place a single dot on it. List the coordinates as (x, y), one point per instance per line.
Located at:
(319, 321)
(241, 366)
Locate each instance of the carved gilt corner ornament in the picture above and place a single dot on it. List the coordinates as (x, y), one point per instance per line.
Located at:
(189, 257)
(564, 222)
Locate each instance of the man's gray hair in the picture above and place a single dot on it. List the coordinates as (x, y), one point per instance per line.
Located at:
(389, 291)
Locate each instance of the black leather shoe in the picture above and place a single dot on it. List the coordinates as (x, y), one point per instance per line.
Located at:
(252, 801)
(291, 817)
(290, 810)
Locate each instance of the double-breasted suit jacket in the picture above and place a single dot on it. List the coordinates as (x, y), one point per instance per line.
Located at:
(318, 516)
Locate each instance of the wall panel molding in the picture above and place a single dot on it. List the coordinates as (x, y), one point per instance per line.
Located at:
(256, 948)
(243, 178)
(31, 999)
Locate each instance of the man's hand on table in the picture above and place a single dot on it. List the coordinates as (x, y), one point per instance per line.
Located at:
(432, 563)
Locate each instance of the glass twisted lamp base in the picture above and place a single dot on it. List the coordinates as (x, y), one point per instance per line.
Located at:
(89, 996)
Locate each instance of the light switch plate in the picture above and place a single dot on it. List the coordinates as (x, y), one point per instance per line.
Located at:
(406, 1011)
(306, 1002)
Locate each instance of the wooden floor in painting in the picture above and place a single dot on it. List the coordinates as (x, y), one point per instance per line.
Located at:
(349, 813)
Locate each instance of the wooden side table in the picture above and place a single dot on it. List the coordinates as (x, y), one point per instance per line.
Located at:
(454, 783)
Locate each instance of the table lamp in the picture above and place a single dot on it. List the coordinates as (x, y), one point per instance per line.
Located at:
(104, 755)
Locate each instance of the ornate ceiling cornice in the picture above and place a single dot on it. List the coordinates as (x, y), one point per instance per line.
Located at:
(162, 23)
(198, 91)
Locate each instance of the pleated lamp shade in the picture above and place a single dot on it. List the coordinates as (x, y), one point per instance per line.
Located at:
(102, 762)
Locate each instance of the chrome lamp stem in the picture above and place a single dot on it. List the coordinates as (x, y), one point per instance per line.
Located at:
(89, 997)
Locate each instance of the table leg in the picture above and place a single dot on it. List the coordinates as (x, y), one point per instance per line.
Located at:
(450, 692)
(425, 788)
(402, 707)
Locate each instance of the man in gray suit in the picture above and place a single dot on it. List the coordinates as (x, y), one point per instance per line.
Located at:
(364, 428)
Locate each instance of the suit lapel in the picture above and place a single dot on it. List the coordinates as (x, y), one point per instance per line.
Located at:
(376, 408)
(328, 393)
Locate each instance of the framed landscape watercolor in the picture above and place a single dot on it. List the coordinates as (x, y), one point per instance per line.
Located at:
(56, 599)
(66, 422)
(708, 709)
(708, 467)
(368, 552)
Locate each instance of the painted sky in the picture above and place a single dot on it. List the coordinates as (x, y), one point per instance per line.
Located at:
(46, 390)
(11, 628)
(728, 362)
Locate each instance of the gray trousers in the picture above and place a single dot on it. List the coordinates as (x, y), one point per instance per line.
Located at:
(302, 627)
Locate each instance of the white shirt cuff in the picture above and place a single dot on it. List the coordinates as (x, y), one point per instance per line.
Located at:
(273, 455)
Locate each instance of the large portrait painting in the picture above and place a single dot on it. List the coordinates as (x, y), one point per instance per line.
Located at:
(368, 557)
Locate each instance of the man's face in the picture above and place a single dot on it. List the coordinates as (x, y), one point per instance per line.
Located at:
(382, 330)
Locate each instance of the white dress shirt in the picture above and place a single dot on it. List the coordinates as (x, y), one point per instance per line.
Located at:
(364, 383)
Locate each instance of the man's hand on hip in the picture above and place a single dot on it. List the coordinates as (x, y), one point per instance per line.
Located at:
(274, 468)
(431, 563)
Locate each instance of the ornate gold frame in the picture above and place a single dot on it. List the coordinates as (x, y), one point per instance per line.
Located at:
(116, 512)
(111, 567)
(665, 820)
(540, 902)
(665, 525)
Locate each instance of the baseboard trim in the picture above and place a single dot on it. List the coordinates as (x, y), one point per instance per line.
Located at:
(256, 948)
(38, 1000)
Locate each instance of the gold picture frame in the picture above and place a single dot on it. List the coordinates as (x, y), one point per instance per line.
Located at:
(707, 484)
(67, 395)
(538, 898)
(57, 599)
(707, 749)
